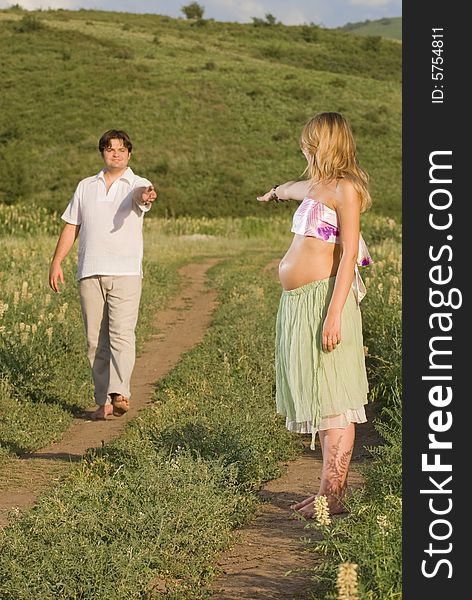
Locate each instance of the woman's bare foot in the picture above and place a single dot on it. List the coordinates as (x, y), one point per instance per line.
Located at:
(336, 507)
(102, 412)
(300, 505)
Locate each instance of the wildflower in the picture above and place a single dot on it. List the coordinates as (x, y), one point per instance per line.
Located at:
(47, 300)
(24, 338)
(24, 289)
(3, 308)
(22, 326)
(395, 500)
(322, 510)
(16, 298)
(394, 297)
(383, 524)
(34, 328)
(366, 350)
(62, 312)
(226, 365)
(347, 582)
(49, 334)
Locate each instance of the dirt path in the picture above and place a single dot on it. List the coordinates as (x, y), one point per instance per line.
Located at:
(271, 546)
(268, 561)
(178, 329)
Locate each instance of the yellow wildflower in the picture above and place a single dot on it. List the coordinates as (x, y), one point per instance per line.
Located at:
(347, 582)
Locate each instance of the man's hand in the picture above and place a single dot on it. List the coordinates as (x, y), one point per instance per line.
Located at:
(148, 196)
(55, 275)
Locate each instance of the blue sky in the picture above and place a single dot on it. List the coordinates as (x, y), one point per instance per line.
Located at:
(330, 13)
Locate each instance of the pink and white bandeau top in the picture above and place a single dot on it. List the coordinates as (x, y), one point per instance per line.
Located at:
(315, 219)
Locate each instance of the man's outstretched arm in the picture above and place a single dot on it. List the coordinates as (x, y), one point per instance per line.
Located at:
(64, 244)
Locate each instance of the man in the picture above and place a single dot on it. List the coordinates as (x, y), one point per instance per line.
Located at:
(108, 209)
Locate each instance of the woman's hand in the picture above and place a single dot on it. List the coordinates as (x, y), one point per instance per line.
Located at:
(331, 335)
(270, 195)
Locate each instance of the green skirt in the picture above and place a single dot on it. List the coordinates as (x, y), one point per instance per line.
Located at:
(314, 386)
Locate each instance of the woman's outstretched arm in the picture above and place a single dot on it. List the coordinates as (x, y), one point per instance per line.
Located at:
(291, 190)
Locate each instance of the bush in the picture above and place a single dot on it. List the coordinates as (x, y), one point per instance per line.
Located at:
(28, 24)
(372, 43)
(123, 53)
(193, 10)
(310, 33)
(267, 22)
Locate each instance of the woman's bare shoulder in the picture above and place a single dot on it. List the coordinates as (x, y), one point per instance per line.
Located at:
(346, 192)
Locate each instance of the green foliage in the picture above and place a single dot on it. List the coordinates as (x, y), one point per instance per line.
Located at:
(28, 24)
(152, 510)
(171, 489)
(309, 33)
(268, 21)
(213, 128)
(370, 536)
(194, 10)
(42, 345)
(372, 43)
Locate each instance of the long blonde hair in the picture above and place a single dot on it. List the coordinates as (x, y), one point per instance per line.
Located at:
(331, 152)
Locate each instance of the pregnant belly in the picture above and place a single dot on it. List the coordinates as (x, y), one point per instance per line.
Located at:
(308, 259)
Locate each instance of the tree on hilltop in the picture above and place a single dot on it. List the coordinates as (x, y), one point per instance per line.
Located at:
(269, 21)
(193, 10)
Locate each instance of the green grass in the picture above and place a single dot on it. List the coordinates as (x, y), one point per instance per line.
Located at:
(156, 506)
(371, 534)
(389, 27)
(215, 110)
(159, 503)
(45, 373)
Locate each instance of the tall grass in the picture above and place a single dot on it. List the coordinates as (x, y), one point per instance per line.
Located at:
(370, 536)
(152, 510)
(149, 513)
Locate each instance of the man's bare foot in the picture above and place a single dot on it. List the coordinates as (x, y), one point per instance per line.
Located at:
(102, 412)
(120, 404)
(300, 505)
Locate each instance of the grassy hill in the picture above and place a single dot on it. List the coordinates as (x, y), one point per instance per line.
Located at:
(214, 109)
(390, 27)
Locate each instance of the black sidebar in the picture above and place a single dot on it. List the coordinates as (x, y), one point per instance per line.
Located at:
(437, 329)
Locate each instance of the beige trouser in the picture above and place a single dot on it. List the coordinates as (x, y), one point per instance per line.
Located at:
(110, 305)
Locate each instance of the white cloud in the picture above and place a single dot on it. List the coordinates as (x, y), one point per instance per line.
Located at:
(370, 3)
(44, 4)
(243, 10)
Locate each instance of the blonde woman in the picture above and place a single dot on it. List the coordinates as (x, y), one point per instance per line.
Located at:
(320, 366)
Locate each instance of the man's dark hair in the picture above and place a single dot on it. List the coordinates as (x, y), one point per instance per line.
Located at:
(114, 134)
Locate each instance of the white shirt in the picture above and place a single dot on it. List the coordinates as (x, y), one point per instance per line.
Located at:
(111, 236)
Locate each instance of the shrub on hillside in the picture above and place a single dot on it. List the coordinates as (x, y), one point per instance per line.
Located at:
(28, 23)
(372, 43)
(267, 22)
(309, 33)
(193, 10)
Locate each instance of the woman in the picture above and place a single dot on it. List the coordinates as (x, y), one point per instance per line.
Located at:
(320, 366)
